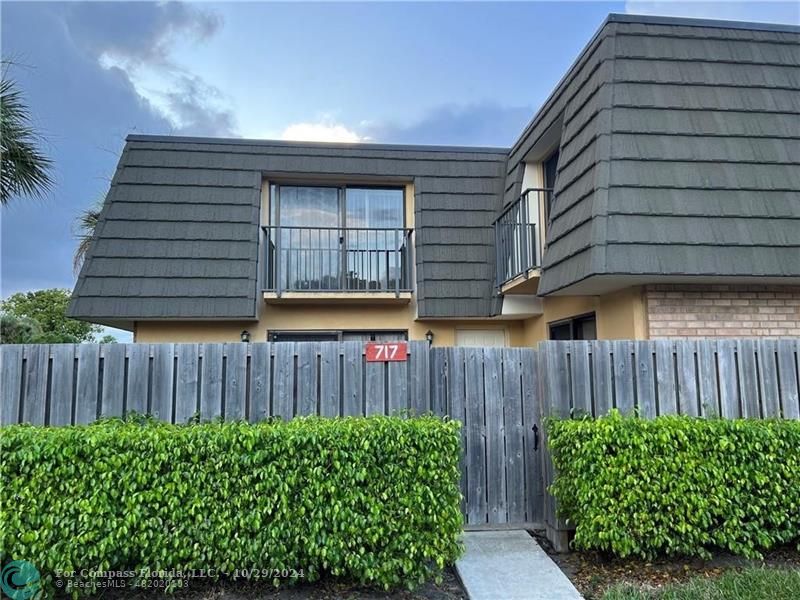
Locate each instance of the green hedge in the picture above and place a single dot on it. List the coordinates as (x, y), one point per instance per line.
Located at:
(678, 485)
(375, 500)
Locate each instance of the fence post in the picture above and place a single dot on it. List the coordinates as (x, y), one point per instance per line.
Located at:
(554, 402)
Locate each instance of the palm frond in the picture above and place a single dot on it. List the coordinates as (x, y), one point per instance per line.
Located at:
(85, 226)
(24, 169)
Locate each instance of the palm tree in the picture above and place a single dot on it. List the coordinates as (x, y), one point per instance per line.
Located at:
(24, 170)
(85, 225)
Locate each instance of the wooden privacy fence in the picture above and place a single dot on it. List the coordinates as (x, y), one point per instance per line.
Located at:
(500, 395)
(63, 384)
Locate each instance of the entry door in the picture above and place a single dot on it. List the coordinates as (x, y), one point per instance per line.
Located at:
(492, 338)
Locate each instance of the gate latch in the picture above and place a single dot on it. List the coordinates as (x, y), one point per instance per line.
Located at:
(535, 437)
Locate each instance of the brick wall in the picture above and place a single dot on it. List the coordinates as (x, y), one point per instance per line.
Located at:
(723, 310)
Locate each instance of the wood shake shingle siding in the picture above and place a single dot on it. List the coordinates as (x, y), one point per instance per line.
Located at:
(179, 234)
(686, 161)
(679, 157)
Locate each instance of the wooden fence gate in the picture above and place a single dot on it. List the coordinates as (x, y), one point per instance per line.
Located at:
(494, 392)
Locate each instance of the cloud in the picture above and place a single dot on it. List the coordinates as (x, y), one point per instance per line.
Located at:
(138, 33)
(138, 40)
(324, 131)
(480, 124)
(768, 12)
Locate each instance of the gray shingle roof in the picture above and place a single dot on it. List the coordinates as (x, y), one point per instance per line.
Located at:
(679, 156)
(178, 236)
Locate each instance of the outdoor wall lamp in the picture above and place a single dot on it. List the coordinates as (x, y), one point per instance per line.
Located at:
(429, 337)
(245, 336)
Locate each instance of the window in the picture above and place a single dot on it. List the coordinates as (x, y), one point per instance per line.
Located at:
(337, 238)
(337, 336)
(583, 327)
(345, 207)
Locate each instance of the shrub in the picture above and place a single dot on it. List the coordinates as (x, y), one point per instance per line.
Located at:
(678, 485)
(372, 499)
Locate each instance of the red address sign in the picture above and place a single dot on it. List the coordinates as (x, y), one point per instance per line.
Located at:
(386, 351)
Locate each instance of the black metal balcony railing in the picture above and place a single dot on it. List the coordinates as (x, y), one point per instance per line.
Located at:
(337, 259)
(516, 241)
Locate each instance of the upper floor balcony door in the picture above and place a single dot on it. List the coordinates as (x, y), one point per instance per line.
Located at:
(324, 238)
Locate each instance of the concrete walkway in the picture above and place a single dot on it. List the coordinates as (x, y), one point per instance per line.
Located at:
(510, 565)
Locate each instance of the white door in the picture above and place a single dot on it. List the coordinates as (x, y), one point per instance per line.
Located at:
(495, 338)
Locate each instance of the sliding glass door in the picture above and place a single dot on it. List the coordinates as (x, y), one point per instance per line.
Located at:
(374, 220)
(310, 240)
(337, 238)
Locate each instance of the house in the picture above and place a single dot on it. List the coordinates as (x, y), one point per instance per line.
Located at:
(655, 194)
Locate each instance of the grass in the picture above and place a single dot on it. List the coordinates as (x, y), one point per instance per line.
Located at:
(749, 584)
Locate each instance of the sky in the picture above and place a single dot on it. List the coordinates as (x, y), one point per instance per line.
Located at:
(422, 73)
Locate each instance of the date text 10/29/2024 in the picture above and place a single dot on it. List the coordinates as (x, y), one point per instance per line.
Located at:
(173, 578)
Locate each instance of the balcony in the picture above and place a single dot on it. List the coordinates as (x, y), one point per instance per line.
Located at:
(308, 264)
(518, 242)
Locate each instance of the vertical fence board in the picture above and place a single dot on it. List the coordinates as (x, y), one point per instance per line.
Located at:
(235, 381)
(495, 437)
(398, 387)
(603, 373)
(665, 378)
(476, 440)
(211, 382)
(186, 382)
(113, 379)
(580, 358)
(138, 378)
(795, 412)
(456, 409)
(419, 371)
(353, 369)
(728, 392)
(260, 382)
(438, 383)
(531, 415)
(307, 378)
(787, 370)
(37, 365)
(86, 387)
(329, 380)
(514, 434)
(645, 380)
(687, 378)
(707, 372)
(10, 382)
(748, 379)
(769, 391)
(284, 382)
(163, 382)
(623, 376)
(63, 356)
(374, 391)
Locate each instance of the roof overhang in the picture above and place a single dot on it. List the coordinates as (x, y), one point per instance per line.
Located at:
(596, 285)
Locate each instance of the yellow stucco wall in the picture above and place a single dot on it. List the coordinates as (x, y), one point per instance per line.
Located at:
(621, 315)
(292, 317)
